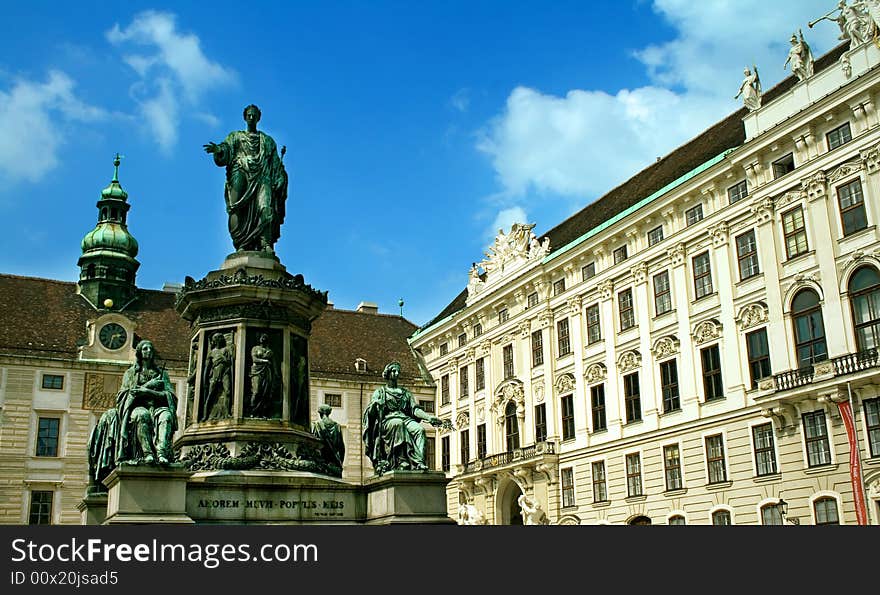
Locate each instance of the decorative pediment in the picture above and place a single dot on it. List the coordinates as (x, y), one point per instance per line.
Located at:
(752, 315)
(629, 360)
(706, 331)
(595, 373)
(510, 252)
(845, 170)
(665, 347)
(564, 384)
(789, 198)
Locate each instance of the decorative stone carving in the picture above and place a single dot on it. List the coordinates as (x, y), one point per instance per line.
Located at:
(853, 20)
(871, 159)
(565, 384)
(750, 89)
(762, 209)
(570, 519)
(240, 277)
(845, 170)
(815, 185)
(800, 56)
(845, 65)
(538, 390)
(510, 390)
(629, 360)
(606, 289)
(665, 347)
(752, 315)
(101, 390)
(213, 457)
(509, 251)
(525, 329)
(706, 331)
(462, 419)
(595, 373)
(485, 347)
(486, 483)
(574, 304)
(549, 471)
(639, 273)
(791, 197)
(545, 319)
(523, 476)
(753, 174)
(676, 254)
(480, 412)
(719, 234)
(470, 355)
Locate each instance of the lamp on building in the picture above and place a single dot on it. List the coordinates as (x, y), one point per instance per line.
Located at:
(782, 507)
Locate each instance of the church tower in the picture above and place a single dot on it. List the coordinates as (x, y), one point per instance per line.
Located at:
(107, 264)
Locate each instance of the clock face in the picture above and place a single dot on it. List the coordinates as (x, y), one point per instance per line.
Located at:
(112, 336)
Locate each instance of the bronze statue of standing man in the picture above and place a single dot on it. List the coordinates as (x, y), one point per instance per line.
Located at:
(256, 185)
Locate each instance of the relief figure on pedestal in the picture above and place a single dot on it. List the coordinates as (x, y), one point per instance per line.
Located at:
(265, 381)
(256, 185)
(217, 380)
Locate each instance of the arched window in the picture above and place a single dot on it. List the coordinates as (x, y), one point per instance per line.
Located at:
(809, 330)
(771, 515)
(104, 214)
(677, 519)
(640, 520)
(864, 292)
(826, 511)
(511, 425)
(721, 517)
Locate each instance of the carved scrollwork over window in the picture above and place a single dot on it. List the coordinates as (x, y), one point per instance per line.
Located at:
(564, 384)
(629, 360)
(706, 331)
(595, 373)
(752, 315)
(665, 347)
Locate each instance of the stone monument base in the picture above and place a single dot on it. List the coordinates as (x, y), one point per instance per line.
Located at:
(407, 497)
(147, 494)
(93, 508)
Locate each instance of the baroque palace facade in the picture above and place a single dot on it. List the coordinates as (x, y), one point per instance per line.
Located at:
(699, 345)
(65, 346)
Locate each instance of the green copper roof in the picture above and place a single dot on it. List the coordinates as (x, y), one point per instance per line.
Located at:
(112, 237)
(114, 190)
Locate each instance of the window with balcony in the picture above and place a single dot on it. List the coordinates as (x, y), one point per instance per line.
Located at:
(693, 215)
(747, 255)
(839, 136)
(540, 422)
(669, 386)
(594, 326)
(563, 342)
(626, 309)
(713, 387)
(597, 407)
(662, 294)
(783, 165)
(864, 295)
(759, 356)
(633, 475)
(655, 236)
(809, 328)
(795, 233)
(765, 454)
(567, 406)
(511, 427)
(672, 467)
(600, 488)
(716, 466)
(464, 442)
(632, 398)
(872, 421)
(738, 191)
(567, 482)
(702, 275)
(852, 207)
(816, 439)
(481, 441)
(537, 348)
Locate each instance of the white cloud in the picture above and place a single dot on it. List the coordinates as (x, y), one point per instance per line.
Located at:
(33, 119)
(175, 70)
(585, 143)
(461, 100)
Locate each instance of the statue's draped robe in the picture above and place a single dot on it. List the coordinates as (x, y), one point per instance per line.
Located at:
(332, 446)
(255, 180)
(218, 384)
(393, 437)
(264, 382)
(127, 447)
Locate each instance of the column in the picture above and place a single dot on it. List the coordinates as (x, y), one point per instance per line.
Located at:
(576, 335)
(731, 367)
(687, 379)
(771, 254)
(651, 406)
(613, 385)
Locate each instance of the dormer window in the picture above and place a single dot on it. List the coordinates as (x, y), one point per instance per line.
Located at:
(360, 365)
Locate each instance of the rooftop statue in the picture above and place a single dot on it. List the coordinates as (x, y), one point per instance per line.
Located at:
(393, 434)
(800, 57)
(853, 20)
(256, 185)
(750, 89)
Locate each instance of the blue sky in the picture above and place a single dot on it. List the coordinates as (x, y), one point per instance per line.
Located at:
(413, 129)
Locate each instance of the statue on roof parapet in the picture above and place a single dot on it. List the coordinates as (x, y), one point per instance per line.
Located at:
(800, 57)
(750, 89)
(854, 21)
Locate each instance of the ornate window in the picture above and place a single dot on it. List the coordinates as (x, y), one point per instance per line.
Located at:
(816, 439)
(563, 341)
(567, 403)
(600, 488)
(507, 359)
(713, 386)
(540, 422)
(633, 475)
(537, 348)
(511, 426)
(825, 510)
(738, 191)
(662, 294)
(669, 386)
(747, 255)
(567, 477)
(864, 290)
(47, 437)
(716, 467)
(852, 207)
(759, 355)
(594, 328)
(702, 275)
(632, 398)
(463, 386)
(809, 329)
(839, 136)
(41, 508)
(795, 232)
(626, 309)
(597, 407)
(672, 467)
(765, 454)
(480, 374)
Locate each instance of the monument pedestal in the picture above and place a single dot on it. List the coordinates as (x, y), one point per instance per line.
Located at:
(147, 494)
(407, 497)
(93, 508)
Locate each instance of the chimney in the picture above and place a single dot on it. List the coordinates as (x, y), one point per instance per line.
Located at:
(329, 305)
(368, 308)
(172, 287)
